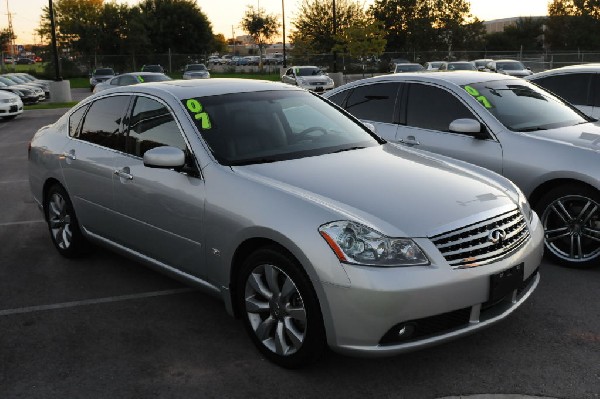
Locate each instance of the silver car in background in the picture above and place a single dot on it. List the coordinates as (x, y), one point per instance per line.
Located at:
(505, 124)
(310, 228)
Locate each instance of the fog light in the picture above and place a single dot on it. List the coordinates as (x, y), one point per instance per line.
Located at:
(399, 333)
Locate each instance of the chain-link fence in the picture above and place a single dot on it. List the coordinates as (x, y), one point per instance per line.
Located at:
(175, 63)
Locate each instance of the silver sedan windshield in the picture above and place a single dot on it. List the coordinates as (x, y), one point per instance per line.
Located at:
(523, 107)
(247, 128)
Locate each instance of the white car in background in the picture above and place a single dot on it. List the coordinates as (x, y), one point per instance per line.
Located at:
(577, 84)
(196, 71)
(308, 77)
(131, 78)
(10, 105)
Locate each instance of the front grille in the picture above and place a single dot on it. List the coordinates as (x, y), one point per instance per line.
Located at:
(470, 246)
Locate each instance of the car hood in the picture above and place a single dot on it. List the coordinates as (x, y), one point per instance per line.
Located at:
(397, 192)
(585, 136)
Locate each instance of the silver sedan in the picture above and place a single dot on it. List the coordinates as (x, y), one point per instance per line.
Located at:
(505, 124)
(309, 227)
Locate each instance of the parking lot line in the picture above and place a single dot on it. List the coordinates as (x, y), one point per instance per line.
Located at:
(23, 222)
(64, 305)
(13, 181)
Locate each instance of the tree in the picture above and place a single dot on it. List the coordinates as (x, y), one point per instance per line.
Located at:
(571, 24)
(219, 43)
(261, 26)
(362, 39)
(176, 25)
(417, 25)
(313, 26)
(6, 38)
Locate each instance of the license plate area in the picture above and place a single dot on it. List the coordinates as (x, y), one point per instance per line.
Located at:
(505, 282)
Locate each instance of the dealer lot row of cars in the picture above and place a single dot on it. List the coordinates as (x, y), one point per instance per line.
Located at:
(311, 228)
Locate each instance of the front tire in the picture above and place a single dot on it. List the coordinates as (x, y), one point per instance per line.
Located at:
(280, 308)
(570, 215)
(62, 223)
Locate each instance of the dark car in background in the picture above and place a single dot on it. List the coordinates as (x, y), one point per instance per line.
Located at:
(153, 68)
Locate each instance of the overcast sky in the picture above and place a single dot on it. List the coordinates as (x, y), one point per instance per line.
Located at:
(227, 14)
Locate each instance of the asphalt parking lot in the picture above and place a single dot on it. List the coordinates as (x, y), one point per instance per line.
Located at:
(107, 327)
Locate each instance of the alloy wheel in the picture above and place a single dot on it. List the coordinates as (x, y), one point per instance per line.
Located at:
(60, 221)
(275, 310)
(572, 228)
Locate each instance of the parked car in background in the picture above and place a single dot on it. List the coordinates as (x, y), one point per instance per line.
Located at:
(153, 68)
(27, 95)
(100, 75)
(481, 64)
(8, 59)
(509, 67)
(400, 68)
(577, 84)
(10, 105)
(25, 61)
(505, 124)
(457, 66)
(308, 77)
(37, 91)
(433, 65)
(132, 78)
(271, 199)
(196, 71)
(22, 80)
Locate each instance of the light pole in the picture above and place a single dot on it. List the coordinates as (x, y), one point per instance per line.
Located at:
(334, 33)
(54, 49)
(283, 18)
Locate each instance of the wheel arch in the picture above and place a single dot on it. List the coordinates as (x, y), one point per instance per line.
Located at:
(548, 185)
(243, 250)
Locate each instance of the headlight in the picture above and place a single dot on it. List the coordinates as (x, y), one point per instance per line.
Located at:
(355, 243)
(524, 205)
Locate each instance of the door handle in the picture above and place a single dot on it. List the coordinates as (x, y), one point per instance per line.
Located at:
(410, 141)
(70, 155)
(123, 175)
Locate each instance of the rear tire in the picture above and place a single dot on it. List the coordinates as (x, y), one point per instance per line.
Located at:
(280, 308)
(62, 223)
(570, 215)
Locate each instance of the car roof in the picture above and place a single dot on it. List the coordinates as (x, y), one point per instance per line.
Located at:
(593, 67)
(458, 78)
(184, 89)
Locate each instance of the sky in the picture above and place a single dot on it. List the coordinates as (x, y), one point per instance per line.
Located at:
(225, 15)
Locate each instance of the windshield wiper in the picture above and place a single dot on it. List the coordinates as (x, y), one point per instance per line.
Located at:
(531, 129)
(253, 161)
(347, 149)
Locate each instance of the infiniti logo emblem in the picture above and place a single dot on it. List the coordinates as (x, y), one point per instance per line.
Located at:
(497, 235)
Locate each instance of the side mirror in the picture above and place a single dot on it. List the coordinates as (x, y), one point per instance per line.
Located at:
(468, 126)
(164, 157)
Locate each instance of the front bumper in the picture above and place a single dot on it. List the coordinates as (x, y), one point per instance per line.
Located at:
(317, 87)
(10, 109)
(436, 303)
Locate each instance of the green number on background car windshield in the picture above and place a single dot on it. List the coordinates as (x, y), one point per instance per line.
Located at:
(197, 110)
(482, 99)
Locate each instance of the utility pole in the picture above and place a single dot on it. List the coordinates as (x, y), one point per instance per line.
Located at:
(11, 33)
